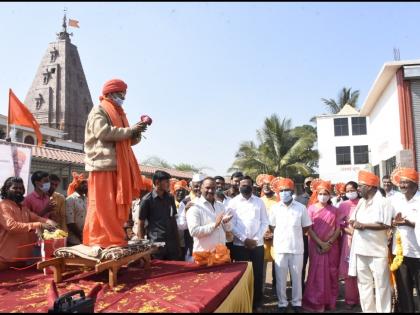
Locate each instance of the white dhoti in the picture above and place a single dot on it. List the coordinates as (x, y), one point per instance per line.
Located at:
(292, 263)
(373, 279)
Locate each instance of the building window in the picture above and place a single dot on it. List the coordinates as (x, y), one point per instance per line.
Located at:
(29, 140)
(341, 127)
(343, 155)
(390, 165)
(361, 154)
(376, 170)
(358, 126)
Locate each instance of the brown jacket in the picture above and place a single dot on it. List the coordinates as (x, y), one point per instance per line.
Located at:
(100, 139)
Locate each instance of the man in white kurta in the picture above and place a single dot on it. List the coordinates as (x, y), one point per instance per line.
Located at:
(371, 220)
(207, 219)
(288, 218)
(406, 206)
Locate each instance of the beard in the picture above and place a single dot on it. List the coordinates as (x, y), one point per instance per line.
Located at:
(18, 198)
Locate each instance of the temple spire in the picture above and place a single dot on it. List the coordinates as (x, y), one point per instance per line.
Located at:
(63, 34)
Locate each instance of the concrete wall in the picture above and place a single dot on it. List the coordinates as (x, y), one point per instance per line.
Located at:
(384, 125)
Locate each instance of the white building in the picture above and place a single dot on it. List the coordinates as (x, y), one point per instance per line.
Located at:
(393, 107)
(387, 127)
(343, 145)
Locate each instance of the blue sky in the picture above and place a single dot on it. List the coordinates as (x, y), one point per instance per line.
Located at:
(209, 73)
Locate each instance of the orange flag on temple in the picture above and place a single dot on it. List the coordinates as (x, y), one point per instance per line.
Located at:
(74, 23)
(21, 116)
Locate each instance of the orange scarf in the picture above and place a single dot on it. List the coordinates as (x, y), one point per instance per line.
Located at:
(128, 170)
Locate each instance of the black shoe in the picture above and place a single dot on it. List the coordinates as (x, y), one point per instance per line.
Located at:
(297, 309)
(282, 309)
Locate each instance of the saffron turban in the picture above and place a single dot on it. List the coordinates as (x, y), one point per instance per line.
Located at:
(114, 85)
(264, 179)
(340, 188)
(172, 182)
(319, 184)
(281, 183)
(368, 178)
(147, 183)
(404, 173)
(74, 185)
(181, 184)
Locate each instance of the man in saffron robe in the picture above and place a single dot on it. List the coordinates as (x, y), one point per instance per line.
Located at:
(114, 179)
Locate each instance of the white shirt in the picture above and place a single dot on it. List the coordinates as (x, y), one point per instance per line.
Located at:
(201, 220)
(370, 242)
(249, 219)
(409, 209)
(289, 221)
(181, 218)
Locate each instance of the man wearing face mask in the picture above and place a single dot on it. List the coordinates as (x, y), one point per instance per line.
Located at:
(108, 141)
(249, 222)
(406, 207)
(39, 200)
(369, 253)
(289, 220)
(17, 225)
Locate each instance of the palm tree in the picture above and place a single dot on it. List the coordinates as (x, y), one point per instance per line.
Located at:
(346, 96)
(281, 150)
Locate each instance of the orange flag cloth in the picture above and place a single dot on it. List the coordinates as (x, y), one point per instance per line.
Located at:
(20, 115)
(218, 256)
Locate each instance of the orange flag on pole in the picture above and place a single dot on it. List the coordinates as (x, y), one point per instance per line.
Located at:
(74, 23)
(21, 116)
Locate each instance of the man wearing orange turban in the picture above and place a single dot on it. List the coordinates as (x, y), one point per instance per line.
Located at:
(76, 207)
(406, 210)
(269, 198)
(369, 253)
(114, 179)
(289, 220)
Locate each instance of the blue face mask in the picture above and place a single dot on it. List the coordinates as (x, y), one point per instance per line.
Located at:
(46, 187)
(118, 100)
(286, 196)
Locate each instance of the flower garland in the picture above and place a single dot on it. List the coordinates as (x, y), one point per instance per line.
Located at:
(398, 259)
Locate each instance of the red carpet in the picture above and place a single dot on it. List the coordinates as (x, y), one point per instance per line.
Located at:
(166, 287)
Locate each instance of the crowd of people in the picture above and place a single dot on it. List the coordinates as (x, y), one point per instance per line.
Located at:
(358, 232)
(343, 232)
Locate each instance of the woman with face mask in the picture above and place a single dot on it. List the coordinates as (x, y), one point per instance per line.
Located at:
(321, 288)
(345, 210)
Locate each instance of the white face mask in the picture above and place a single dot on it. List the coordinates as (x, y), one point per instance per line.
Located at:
(323, 198)
(118, 100)
(352, 195)
(286, 196)
(45, 187)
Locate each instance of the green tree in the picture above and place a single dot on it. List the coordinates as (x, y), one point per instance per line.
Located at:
(346, 96)
(280, 150)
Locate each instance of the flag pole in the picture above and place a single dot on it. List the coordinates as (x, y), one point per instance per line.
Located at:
(8, 119)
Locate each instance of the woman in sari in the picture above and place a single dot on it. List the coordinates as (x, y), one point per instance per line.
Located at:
(345, 210)
(321, 289)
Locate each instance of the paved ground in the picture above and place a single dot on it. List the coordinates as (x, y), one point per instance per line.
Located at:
(270, 299)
